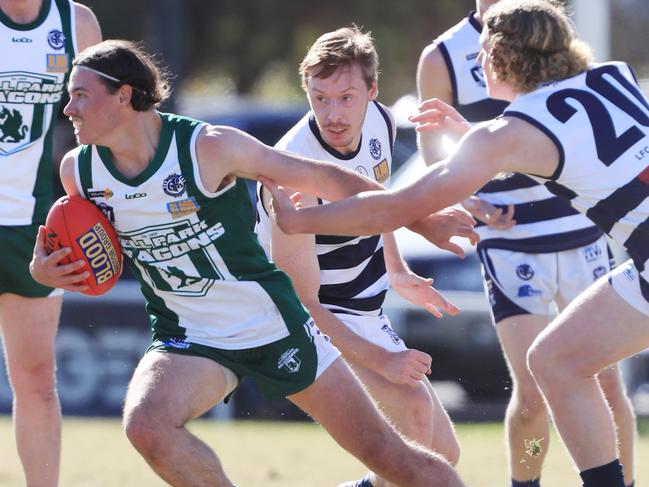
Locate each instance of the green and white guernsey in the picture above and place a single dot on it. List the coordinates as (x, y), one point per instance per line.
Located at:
(203, 274)
(33, 71)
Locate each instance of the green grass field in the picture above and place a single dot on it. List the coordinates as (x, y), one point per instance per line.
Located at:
(96, 454)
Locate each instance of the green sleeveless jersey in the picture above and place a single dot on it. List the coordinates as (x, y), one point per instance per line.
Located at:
(204, 275)
(34, 66)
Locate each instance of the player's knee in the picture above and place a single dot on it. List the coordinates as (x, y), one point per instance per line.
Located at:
(419, 413)
(528, 401)
(541, 362)
(36, 380)
(142, 429)
(450, 451)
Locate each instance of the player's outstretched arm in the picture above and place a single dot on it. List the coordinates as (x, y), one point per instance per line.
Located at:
(488, 149)
(224, 152)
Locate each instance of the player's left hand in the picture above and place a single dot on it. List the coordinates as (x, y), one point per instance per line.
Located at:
(283, 207)
(420, 291)
(441, 226)
(438, 116)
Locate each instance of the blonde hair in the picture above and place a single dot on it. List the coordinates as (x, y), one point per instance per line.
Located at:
(342, 47)
(533, 42)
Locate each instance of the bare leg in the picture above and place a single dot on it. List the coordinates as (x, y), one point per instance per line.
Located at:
(168, 390)
(413, 411)
(596, 330)
(526, 418)
(611, 383)
(338, 402)
(28, 330)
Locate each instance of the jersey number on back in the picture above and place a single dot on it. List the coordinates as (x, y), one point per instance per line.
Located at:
(609, 145)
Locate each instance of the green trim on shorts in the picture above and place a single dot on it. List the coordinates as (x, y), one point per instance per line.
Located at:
(281, 368)
(16, 249)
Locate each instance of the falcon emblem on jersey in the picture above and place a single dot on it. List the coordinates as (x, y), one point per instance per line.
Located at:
(174, 185)
(382, 171)
(56, 39)
(11, 125)
(375, 149)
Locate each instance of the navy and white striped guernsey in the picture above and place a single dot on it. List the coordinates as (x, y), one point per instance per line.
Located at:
(545, 223)
(353, 277)
(599, 121)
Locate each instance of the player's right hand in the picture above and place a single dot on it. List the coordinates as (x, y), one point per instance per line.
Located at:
(438, 116)
(283, 208)
(48, 270)
(406, 367)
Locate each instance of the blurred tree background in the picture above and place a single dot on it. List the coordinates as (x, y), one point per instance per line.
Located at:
(222, 49)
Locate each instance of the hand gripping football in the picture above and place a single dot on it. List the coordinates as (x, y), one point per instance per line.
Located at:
(78, 223)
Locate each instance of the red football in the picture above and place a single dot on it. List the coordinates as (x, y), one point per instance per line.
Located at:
(78, 223)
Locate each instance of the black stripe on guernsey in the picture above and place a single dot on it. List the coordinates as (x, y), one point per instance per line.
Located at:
(372, 303)
(644, 288)
(333, 239)
(388, 122)
(537, 211)
(549, 133)
(335, 293)
(482, 110)
(515, 181)
(545, 243)
(451, 71)
(638, 245)
(350, 255)
(560, 190)
(619, 203)
(313, 125)
(474, 22)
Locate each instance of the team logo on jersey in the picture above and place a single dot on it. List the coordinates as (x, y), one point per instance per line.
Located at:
(56, 39)
(598, 272)
(478, 76)
(174, 185)
(362, 170)
(382, 171)
(57, 63)
(591, 252)
(289, 361)
(11, 125)
(375, 149)
(527, 291)
(525, 272)
(100, 193)
(183, 207)
(107, 211)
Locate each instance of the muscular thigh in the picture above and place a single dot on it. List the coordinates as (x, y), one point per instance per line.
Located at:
(178, 387)
(29, 328)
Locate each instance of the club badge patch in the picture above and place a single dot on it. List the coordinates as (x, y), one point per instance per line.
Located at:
(56, 39)
(375, 149)
(183, 207)
(174, 185)
(57, 63)
(382, 171)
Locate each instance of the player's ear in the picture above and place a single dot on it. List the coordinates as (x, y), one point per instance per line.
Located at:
(125, 93)
(374, 91)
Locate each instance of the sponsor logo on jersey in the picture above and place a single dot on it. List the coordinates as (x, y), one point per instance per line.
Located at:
(12, 129)
(100, 193)
(100, 253)
(527, 291)
(57, 63)
(478, 76)
(629, 272)
(382, 171)
(375, 149)
(591, 252)
(169, 242)
(56, 39)
(29, 89)
(289, 361)
(599, 271)
(25, 40)
(525, 272)
(174, 185)
(176, 343)
(134, 196)
(391, 333)
(183, 207)
(472, 56)
(107, 211)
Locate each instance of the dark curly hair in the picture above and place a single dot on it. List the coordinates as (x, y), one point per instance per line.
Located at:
(533, 42)
(131, 65)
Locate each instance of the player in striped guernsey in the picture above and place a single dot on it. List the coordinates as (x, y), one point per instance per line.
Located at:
(219, 309)
(38, 39)
(587, 126)
(343, 280)
(535, 250)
